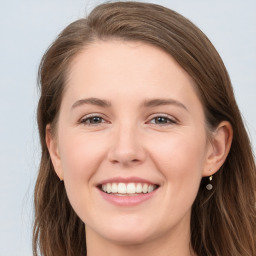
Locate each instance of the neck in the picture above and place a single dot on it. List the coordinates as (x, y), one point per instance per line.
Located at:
(166, 245)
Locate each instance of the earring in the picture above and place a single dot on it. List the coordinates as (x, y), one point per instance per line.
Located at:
(209, 186)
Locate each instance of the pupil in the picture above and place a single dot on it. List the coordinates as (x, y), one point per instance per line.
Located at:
(161, 120)
(96, 119)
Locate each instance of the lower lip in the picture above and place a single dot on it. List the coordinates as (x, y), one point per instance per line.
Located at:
(127, 200)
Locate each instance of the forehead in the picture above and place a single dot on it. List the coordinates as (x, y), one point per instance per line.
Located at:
(114, 67)
(127, 55)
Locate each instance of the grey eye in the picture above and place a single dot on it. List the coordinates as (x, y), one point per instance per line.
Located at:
(93, 120)
(162, 120)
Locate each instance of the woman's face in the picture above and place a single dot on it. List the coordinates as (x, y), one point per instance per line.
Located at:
(131, 124)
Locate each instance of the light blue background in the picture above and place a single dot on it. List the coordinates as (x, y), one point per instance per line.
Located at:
(26, 30)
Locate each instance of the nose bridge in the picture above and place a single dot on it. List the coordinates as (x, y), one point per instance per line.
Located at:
(126, 144)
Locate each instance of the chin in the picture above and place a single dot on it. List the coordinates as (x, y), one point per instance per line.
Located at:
(133, 238)
(128, 234)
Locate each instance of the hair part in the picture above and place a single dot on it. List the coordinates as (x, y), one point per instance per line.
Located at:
(223, 221)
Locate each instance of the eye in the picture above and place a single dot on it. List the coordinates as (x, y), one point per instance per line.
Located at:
(162, 120)
(92, 120)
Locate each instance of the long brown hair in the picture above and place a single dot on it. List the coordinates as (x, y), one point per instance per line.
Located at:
(223, 221)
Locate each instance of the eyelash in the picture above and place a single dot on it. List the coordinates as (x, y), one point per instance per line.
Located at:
(168, 120)
(87, 118)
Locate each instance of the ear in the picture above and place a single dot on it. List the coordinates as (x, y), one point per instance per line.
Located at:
(52, 146)
(218, 148)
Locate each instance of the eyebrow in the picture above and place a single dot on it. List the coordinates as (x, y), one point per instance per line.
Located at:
(92, 101)
(162, 102)
(147, 103)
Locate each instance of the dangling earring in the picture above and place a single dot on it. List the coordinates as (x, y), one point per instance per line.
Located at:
(209, 186)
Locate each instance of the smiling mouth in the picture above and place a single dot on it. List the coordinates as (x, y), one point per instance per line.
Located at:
(127, 189)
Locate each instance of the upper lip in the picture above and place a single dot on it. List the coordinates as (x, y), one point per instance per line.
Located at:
(126, 180)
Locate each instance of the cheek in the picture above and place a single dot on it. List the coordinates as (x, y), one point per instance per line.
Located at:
(180, 151)
(180, 158)
(80, 155)
(80, 159)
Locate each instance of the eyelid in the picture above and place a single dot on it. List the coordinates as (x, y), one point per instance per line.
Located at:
(91, 115)
(171, 118)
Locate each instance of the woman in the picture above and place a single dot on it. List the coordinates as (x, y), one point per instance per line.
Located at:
(144, 151)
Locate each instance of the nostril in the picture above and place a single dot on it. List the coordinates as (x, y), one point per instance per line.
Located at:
(125, 160)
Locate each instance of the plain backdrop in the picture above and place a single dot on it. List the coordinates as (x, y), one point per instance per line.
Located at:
(28, 27)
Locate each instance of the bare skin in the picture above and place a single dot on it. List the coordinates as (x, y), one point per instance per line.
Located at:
(129, 110)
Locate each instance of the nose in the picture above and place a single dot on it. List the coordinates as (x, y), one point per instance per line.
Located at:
(126, 147)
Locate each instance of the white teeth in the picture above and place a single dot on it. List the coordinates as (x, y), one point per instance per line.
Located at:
(129, 188)
(114, 188)
(104, 187)
(150, 188)
(121, 188)
(139, 188)
(109, 188)
(145, 188)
